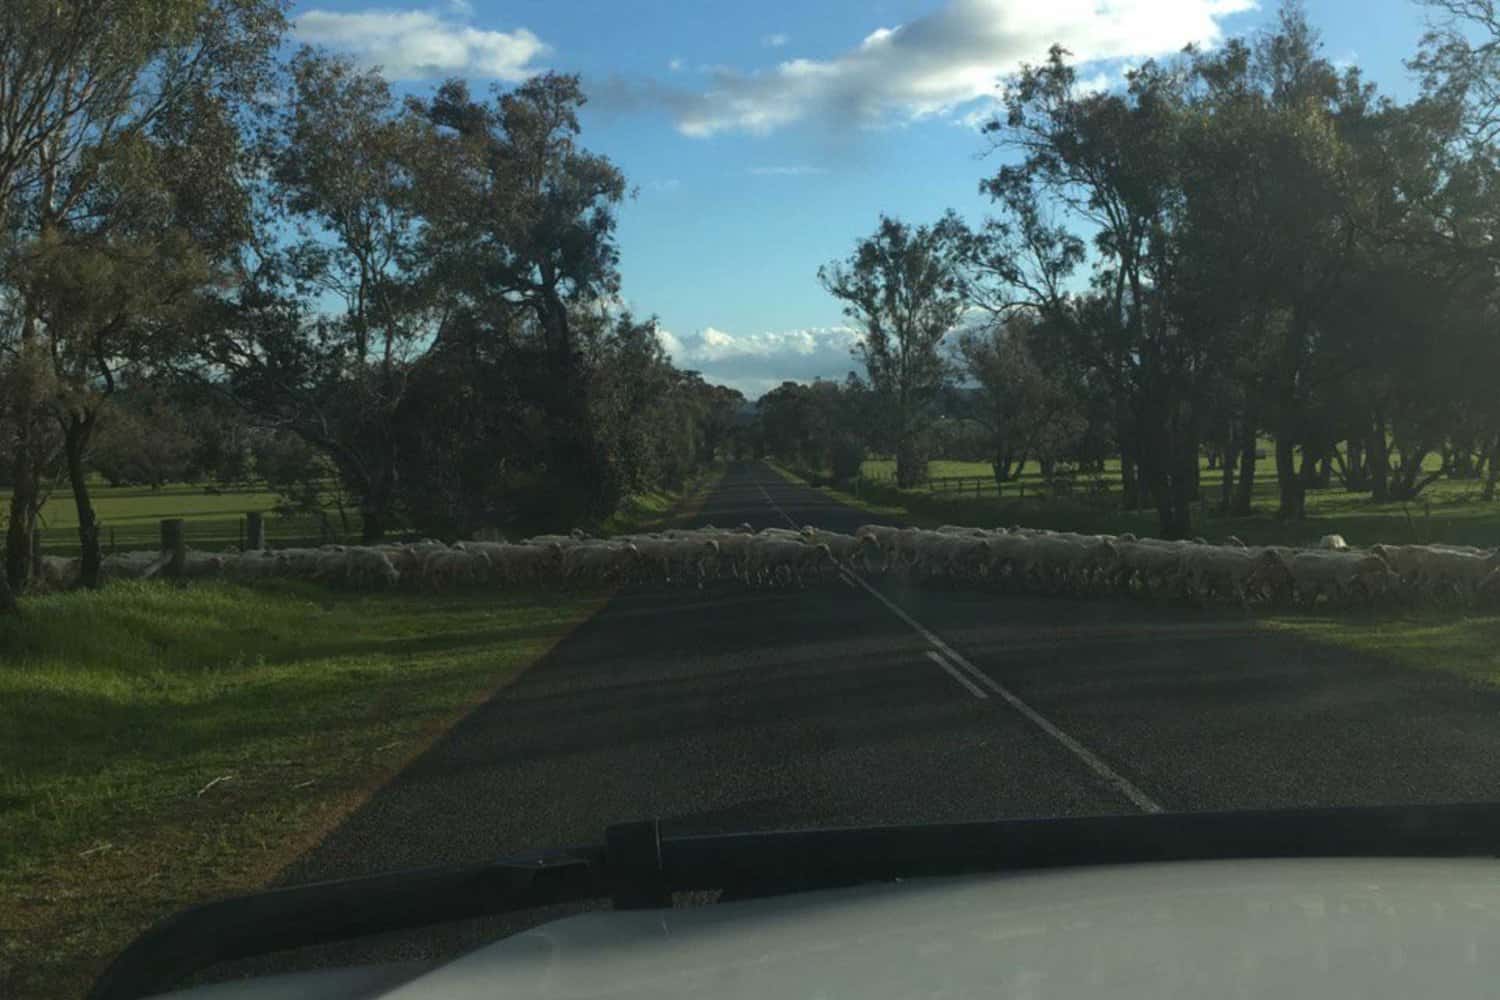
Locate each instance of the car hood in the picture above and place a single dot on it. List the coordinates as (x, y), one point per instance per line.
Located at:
(1282, 929)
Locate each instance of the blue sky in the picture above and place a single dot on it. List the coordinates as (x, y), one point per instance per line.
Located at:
(764, 138)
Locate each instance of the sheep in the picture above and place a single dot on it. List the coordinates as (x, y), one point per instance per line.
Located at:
(958, 529)
(1151, 568)
(848, 550)
(1338, 575)
(562, 540)
(951, 556)
(460, 567)
(132, 565)
(676, 559)
(599, 562)
(1008, 555)
(1229, 573)
(1451, 569)
(364, 567)
(513, 563)
(59, 572)
(1333, 543)
(1059, 563)
(779, 560)
(203, 566)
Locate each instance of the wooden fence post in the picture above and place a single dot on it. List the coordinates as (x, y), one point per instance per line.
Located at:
(255, 525)
(173, 544)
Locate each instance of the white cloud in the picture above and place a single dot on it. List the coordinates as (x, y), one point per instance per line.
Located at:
(416, 44)
(666, 184)
(755, 363)
(788, 170)
(942, 61)
(775, 41)
(675, 64)
(463, 8)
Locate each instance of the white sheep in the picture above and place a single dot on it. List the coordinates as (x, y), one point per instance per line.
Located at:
(455, 567)
(1339, 575)
(1232, 574)
(599, 562)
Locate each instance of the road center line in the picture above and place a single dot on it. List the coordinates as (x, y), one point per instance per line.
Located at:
(1090, 759)
(974, 689)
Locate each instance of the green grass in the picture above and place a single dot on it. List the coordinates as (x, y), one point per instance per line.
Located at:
(1467, 646)
(1447, 511)
(161, 745)
(649, 511)
(131, 517)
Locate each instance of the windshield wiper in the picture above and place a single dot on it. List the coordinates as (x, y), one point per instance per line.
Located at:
(639, 866)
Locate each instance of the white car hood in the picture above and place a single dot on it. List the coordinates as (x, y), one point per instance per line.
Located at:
(1251, 929)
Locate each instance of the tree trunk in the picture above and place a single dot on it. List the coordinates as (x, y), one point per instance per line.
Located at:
(1493, 473)
(1309, 471)
(1244, 491)
(1355, 478)
(23, 504)
(1323, 476)
(1226, 479)
(76, 435)
(908, 460)
(1130, 487)
(371, 525)
(1001, 468)
(1379, 461)
(7, 597)
(1289, 480)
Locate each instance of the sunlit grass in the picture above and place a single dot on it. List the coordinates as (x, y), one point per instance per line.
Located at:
(1468, 646)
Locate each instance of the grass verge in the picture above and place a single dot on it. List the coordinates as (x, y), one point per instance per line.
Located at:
(662, 509)
(163, 746)
(1467, 646)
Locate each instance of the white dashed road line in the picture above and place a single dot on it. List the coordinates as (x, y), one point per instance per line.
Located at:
(967, 674)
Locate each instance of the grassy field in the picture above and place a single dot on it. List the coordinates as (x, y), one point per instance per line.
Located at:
(131, 517)
(1447, 511)
(162, 746)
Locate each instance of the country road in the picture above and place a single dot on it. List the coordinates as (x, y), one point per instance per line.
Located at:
(871, 702)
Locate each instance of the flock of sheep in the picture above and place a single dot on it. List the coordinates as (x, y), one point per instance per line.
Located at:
(1036, 560)
(1017, 559)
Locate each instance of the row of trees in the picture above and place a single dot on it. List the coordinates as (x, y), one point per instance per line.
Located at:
(1241, 244)
(420, 294)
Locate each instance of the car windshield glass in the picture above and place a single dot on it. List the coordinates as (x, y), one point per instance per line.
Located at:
(436, 431)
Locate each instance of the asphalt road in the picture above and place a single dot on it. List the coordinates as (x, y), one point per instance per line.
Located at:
(861, 703)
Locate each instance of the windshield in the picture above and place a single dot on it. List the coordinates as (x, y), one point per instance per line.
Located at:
(431, 432)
